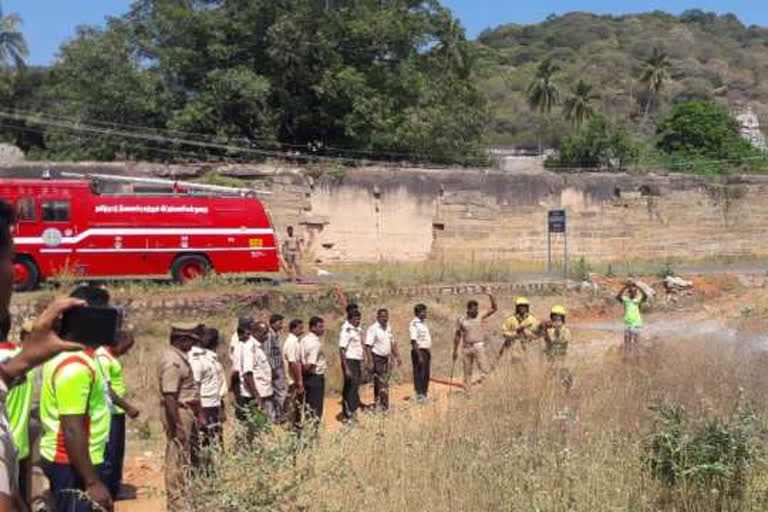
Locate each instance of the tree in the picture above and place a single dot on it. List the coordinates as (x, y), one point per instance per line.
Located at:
(13, 46)
(702, 130)
(655, 75)
(356, 78)
(578, 106)
(100, 79)
(543, 92)
(600, 144)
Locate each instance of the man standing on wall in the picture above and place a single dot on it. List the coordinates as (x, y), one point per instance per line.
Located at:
(292, 255)
(470, 334)
(421, 351)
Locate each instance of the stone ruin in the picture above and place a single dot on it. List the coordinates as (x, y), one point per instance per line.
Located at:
(750, 128)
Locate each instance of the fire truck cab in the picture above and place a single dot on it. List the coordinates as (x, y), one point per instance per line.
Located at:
(96, 228)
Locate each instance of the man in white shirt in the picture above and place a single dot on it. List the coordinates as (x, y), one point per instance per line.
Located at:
(209, 378)
(256, 373)
(351, 354)
(314, 365)
(293, 370)
(421, 351)
(244, 325)
(380, 347)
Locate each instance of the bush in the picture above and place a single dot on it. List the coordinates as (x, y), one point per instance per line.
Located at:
(598, 145)
(702, 136)
(709, 458)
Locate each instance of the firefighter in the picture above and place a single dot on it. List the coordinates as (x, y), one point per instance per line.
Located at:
(522, 326)
(556, 339)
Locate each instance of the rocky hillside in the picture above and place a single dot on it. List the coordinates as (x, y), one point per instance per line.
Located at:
(711, 57)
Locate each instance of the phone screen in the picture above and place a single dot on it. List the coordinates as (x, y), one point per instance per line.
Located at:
(91, 326)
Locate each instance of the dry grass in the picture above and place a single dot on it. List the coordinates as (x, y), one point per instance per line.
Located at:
(520, 442)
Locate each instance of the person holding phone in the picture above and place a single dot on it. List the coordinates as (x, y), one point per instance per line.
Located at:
(75, 407)
(41, 344)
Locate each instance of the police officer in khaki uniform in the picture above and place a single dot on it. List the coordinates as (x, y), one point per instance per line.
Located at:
(181, 402)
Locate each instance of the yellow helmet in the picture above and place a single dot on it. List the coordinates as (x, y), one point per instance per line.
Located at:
(558, 310)
(522, 301)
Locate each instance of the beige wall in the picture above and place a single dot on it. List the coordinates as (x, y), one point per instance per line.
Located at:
(398, 226)
(492, 214)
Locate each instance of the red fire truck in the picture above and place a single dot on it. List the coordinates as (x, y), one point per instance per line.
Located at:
(99, 226)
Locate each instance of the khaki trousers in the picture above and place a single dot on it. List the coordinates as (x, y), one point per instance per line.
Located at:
(178, 462)
(472, 354)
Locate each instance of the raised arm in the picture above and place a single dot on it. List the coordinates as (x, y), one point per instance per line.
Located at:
(620, 296)
(494, 307)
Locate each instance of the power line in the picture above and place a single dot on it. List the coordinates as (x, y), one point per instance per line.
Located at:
(422, 156)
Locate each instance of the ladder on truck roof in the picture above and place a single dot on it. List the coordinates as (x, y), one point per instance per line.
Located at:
(170, 183)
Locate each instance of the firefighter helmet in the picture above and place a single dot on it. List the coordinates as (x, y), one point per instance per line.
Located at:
(558, 310)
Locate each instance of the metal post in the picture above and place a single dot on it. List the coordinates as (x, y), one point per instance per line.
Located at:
(565, 247)
(549, 250)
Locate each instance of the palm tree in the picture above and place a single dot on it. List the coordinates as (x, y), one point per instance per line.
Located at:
(543, 93)
(655, 74)
(453, 47)
(578, 106)
(13, 47)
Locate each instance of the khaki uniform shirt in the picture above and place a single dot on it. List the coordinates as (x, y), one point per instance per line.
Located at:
(473, 329)
(175, 376)
(291, 245)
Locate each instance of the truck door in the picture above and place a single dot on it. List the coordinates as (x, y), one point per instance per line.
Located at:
(58, 230)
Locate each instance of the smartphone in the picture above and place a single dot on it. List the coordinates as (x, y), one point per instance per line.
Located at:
(92, 326)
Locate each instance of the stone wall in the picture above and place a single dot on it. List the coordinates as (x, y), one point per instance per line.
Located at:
(408, 214)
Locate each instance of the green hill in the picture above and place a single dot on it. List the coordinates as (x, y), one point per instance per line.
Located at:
(712, 57)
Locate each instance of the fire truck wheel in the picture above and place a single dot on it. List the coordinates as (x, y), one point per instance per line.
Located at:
(26, 275)
(190, 267)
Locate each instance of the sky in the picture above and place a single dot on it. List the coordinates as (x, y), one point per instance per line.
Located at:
(48, 23)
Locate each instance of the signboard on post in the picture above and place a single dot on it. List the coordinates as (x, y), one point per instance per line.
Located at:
(557, 223)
